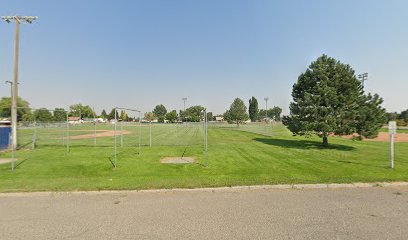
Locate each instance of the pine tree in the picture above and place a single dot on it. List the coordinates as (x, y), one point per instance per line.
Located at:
(328, 98)
(112, 114)
(123, 115)
(371, 116)
(253, 109)
(104, 115)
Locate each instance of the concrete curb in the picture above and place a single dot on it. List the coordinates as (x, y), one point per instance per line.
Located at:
(219, 189)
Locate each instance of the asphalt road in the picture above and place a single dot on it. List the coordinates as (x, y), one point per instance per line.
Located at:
(359, 213)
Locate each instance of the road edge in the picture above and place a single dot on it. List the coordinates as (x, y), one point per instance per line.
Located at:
(220, 189)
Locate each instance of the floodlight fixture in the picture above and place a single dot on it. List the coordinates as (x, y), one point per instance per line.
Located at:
(363, 77)
(266, 109)
(184, 100)
(19, 19)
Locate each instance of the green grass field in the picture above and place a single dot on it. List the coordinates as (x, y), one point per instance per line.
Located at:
(251, 154)
(399, 130)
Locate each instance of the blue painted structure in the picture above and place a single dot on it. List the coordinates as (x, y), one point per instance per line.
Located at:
(4, 136)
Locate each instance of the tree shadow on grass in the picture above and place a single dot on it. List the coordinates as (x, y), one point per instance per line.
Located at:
(302, 144)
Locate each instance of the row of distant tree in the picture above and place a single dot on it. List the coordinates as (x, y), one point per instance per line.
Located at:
(191, 114)
(236, 114)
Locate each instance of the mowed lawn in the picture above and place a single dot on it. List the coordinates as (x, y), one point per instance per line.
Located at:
(237, 156)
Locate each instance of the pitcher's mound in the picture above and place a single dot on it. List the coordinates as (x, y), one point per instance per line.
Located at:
(177, 160)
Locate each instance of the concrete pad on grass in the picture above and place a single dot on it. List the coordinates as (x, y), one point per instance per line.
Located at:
(177, 160)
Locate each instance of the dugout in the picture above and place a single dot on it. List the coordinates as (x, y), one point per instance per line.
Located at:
(5, 130)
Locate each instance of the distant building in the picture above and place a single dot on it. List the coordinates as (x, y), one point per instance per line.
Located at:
(219, 119)
(100, 120)
(74, 120)
(5, 122)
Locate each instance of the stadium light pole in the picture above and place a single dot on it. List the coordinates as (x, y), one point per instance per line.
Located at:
(18, 20)
(363, 77)
(184, 100)
(11, 88)
(266, 111)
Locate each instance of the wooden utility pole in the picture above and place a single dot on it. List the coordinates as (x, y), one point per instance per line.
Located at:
(14, 97)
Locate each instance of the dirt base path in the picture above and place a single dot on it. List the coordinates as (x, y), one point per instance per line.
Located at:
(105, 133)
(385, 137)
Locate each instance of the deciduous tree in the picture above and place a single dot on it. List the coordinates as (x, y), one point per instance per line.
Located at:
(237, 112)
(60, 115)
(43, 115)
(83, 111)
(23, 111)
(160, 110)
(149, 116)
(171, 116)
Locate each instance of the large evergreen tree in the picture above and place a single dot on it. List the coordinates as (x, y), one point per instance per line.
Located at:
(253, 109)
(371, 116)
(328, 98)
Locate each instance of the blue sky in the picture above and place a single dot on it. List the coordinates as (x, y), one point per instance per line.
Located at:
(142, 53)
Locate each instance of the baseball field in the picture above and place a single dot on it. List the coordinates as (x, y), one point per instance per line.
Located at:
(250, 154)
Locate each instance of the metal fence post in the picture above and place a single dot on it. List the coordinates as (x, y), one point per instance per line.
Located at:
(150, 126)
(140, 130)
(67, 132)
(121, 134)
(206, 140)
(63, 134)
(115, 138)
(12, 151)
(94, 127)
(204, 122)
(35, 134)
(392, 129)
(392, 150)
